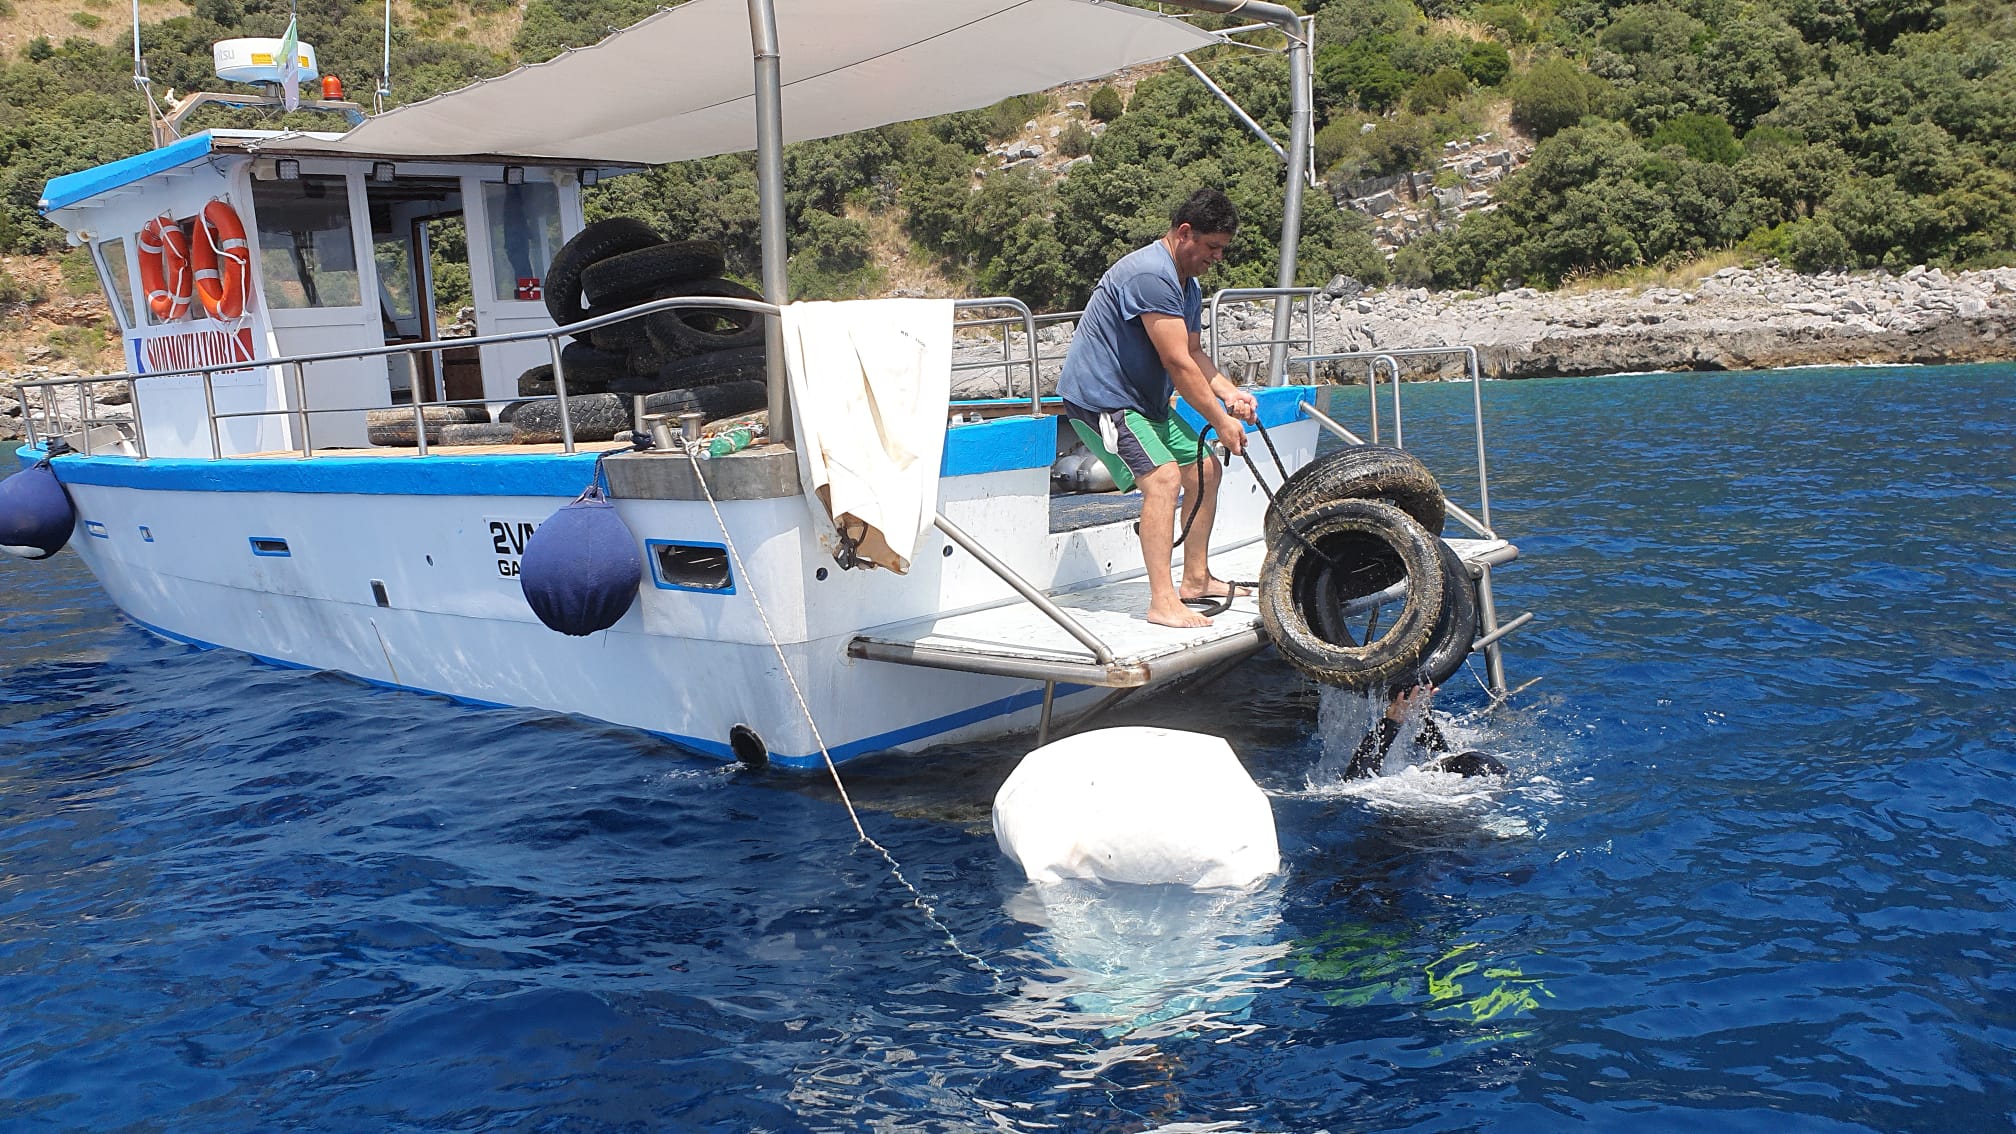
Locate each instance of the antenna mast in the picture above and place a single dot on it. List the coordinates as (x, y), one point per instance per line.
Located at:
(384, 90)
(162, 130)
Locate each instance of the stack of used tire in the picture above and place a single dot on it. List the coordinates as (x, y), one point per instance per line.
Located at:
(1353, 523)
(708, 360)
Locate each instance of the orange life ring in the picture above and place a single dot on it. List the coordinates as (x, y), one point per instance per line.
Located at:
(223, 261)
(164, 267)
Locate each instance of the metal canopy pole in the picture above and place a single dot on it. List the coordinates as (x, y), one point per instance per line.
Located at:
(1300, 31)
(1300, 123)
(770, 198)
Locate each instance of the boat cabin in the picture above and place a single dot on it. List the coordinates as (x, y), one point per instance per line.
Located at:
(345, 254)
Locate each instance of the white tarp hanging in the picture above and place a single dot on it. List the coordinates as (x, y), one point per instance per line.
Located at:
(870, 382)
(679, 85)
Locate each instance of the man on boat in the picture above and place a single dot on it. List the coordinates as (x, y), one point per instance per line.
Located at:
(1138, 342)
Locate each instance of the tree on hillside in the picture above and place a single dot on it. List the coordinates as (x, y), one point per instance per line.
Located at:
(1551, 97)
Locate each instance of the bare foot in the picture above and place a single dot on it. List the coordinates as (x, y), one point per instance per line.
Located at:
(1175, 614)
(1214, 588)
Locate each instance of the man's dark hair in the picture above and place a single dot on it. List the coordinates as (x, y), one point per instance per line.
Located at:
(1206, 210)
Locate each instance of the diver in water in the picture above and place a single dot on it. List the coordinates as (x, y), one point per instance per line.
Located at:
(1371, 751)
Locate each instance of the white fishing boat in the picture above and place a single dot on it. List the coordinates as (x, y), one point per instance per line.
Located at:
(243, 503)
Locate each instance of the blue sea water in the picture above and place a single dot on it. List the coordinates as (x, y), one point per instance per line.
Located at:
(1752, 870)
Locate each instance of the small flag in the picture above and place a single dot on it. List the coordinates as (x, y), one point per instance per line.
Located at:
(290, 66)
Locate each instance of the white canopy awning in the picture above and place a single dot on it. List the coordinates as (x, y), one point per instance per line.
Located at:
(679, 85)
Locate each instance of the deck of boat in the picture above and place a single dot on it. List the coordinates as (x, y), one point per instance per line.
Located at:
(1019, 640)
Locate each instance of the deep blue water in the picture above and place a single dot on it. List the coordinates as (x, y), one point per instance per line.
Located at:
(1753, 869)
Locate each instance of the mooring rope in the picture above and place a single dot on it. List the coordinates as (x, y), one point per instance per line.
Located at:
(916, 896)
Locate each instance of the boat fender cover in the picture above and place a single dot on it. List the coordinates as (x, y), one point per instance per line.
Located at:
(1141, 805)
(581, 570)
(35, 514)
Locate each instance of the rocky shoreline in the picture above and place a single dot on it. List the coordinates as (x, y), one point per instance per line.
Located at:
(1734, 319)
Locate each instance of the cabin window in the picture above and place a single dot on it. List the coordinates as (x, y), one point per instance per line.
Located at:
(524, 222)
(307, 252)
(115, 277)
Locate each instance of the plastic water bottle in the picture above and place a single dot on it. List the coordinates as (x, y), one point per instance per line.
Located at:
(732, 441)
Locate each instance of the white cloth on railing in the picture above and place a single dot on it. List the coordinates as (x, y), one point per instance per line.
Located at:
(870, 383)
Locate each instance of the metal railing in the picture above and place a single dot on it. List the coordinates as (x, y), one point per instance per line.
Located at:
(296, 364)
(1216, 345)
(292, 370)
(1023, 318)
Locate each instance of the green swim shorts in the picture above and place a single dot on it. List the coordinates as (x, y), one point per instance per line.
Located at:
(1131, 445)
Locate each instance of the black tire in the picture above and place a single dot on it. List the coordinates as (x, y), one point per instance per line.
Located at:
(1347, 548)
(1457, 627)
(618, 338)
(612, 236)
(1361, 472)
(684, 331)
(724, 400)
(536, 382)
(628, 277)
(595, 417)
(591, 371)
(715, 369)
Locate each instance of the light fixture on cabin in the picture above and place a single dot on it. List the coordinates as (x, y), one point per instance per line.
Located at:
(590, 178)
(287, 169)
(381, 172)
(514, 175)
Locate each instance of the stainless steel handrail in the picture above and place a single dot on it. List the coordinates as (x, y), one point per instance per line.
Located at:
(1026, 589)
(1023, 316)
(553, 336)
(1285, 338)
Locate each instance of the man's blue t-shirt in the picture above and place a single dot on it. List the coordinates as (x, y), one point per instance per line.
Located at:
(1112, 364)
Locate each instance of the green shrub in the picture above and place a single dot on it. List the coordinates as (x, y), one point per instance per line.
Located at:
(1075, 141)
(1551, 97)
(39, 49)
(1706, 137)
(10, 289)
(1814, 246)
(1005, 119)
(1105, 104)
(87, 20)
(1508, 21)
(1488, 63)
(1437, 91)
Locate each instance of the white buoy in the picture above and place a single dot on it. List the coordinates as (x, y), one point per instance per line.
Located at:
(1141, 805)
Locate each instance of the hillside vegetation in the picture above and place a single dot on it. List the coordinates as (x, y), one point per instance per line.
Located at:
(1825, 133)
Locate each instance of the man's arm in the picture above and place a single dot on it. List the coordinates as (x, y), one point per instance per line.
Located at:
(1187, 366)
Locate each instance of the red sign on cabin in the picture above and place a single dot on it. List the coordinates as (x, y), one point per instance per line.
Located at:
(528, 288)
(190, 349)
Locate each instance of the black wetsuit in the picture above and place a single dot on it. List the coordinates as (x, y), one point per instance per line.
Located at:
(1371, 751)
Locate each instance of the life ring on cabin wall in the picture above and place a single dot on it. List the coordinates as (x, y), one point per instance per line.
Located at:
(164, 267)
(223, 261)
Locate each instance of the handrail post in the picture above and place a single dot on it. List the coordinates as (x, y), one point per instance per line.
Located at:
(1372, 390)
(87, 410)
(560, 391)
(1394, 365)
(420, 412)
(301, 402)
(1035, 369)
(139, 425)
(210, 411)
(1487, 612)
(1026, 589)
(1477, 402)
